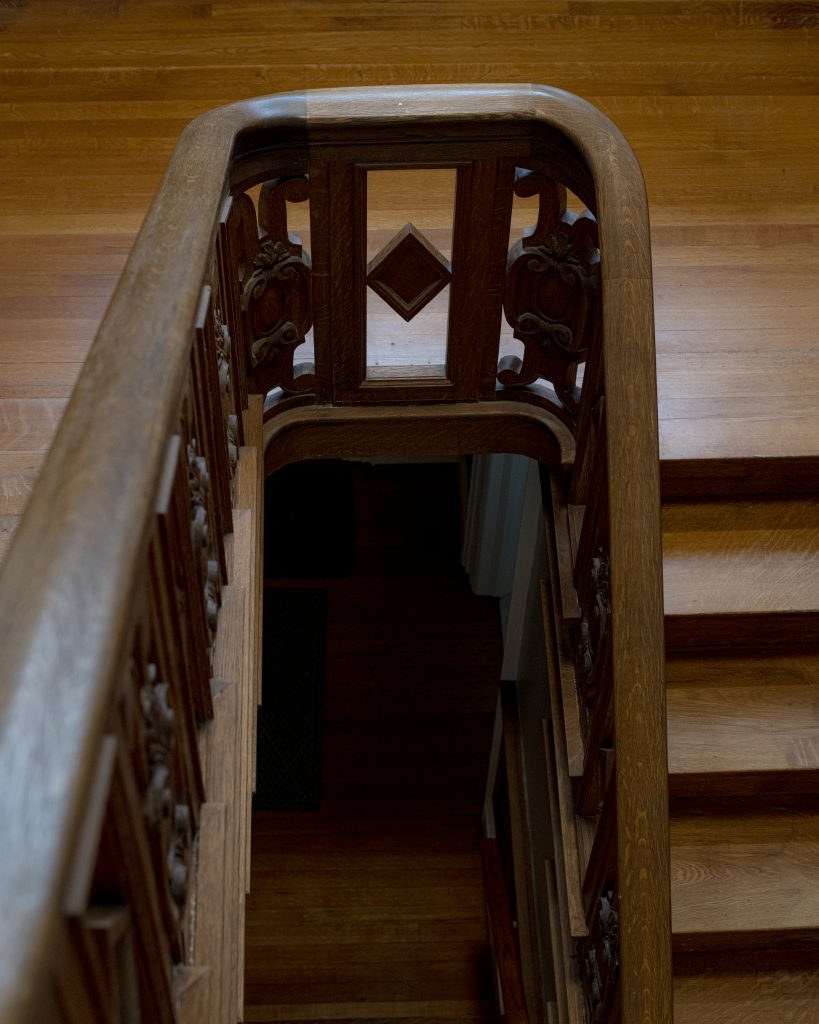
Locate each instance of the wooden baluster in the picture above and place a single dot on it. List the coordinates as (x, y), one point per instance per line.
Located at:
(126, 851)
(210, 429)
(223, 342)
(599, 962)
(171, 667)
(198, 429)
(591, 420)
(178, 578)
(276, 291)
(598, 953)
(237, 245)
(208, 567)
(166, 801)
(483, 211)
(551, 299)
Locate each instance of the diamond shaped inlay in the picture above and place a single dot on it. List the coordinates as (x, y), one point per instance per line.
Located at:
(408, 272)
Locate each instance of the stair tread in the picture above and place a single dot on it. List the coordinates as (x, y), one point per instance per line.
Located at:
(741, 557)
(748, 997)
(744, 873)
(743, 713)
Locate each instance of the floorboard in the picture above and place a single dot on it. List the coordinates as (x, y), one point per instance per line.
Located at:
(717, 100)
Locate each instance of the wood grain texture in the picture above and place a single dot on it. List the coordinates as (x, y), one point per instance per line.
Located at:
(744, 878)
(748, 997)
(93, 100)
(749, 567)
(737, 713)
(105, 106)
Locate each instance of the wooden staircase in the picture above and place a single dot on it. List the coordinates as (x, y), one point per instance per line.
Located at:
(741, 581)
(98, 528)
(742, 614)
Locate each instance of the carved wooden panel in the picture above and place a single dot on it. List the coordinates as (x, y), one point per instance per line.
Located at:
(176, 585)
(225, 283)
(551, 294)
(274, 274)
(599, 961)
(408, 272)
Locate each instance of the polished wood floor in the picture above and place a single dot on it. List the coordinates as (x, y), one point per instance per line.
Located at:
(718, 99)
(371, 908)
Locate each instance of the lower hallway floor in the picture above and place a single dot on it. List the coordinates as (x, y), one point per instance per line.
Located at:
(371, 906)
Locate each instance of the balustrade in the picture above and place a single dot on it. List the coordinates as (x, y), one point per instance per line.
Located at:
(157, 477)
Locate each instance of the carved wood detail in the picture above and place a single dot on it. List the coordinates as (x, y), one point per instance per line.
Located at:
(593, 632)
(599, 960)
(166, 812)
(408, 272)
(203, 545)
(276, 293)
(551, 293)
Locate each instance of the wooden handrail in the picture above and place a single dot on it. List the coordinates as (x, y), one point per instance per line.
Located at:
(70, 581)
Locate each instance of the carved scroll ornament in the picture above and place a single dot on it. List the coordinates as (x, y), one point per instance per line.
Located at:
(593, 631)
(170, 821)
(159, 723)
(223, 360)
(600, 961)
(198, 484)
(551, 293)
(276, 293)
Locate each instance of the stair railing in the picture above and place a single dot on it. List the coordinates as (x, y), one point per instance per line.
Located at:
(117, 595)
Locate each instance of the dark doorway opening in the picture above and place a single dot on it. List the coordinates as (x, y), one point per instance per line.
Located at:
(375, 897)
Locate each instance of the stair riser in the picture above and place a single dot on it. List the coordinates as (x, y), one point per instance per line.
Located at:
(784, 629)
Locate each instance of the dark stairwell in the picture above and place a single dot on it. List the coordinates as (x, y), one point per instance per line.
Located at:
(371, 906)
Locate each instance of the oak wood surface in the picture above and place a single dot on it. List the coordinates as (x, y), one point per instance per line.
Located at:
(751, 725)
(751, 567)
(117, 85)
(743, 875)
(748, 997)
(90, 113)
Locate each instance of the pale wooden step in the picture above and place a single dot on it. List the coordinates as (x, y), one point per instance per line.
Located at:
(743, 724)
(748, 997)
(745, 880)
(741, 571)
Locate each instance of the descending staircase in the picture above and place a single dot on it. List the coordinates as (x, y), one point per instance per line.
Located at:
(130, 602)
(741, 581)
(742, 606)
(369, 907)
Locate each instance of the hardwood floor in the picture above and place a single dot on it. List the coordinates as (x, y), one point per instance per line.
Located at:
(717, 99)
(372, 907)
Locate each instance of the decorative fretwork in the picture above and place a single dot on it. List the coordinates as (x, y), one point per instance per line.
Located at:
(276, 293)
(223, 360)
(599, 959)
(178, 854)
(167, 814)
(593, 631)
(159, 728)
(408, 272)
(203, 549)
(551, 294)
(198, 489)
(233, 443)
